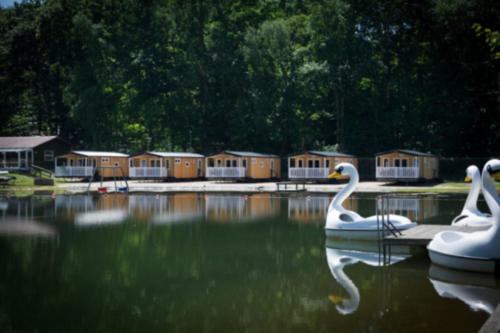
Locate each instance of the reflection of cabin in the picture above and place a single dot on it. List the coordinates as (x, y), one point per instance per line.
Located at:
(21, 152)
(241, 164)
(316, 164)
(168, 208)
(83, 163)
(235, 208)
(176, 165)
(312, 209)
(406, 165)
(417, 209)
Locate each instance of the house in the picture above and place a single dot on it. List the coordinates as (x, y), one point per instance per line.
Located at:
(230, 164)
(317, 165)
(162, 165)
(406, 165)
(82, 164)
(21, 152)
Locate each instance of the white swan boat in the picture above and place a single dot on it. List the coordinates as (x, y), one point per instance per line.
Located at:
(343, 223)
(471, 216)
(478, 251)
(339, 258)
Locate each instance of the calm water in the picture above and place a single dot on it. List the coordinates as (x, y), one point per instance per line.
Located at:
(218, 263)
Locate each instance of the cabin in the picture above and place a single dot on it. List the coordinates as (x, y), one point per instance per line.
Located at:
(82, 164)
(163, 165)
(406, 165)
(317, 165)
(20, 153)
(231, 164)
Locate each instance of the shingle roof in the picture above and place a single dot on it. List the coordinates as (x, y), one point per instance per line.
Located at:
(24, 141)
(329, 153)
(247, 153)
(172, 154)
(98, 153)
(407, 151)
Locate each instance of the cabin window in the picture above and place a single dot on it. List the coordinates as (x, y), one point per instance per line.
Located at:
(228, 163)
(199, 164)
(130, 163)
(301, 163)
(244, 163)
(168, 164)
(292, 163)
(316, 163)
(48, 155)
(144, 163)
(116, 164)
(219, 163)
(378, 161)
(386, 162)
(309, 164)
(104, 160)
(211, 163)
(404, 163)
(415, 162)
(235, 163)
(327, 164)
(81, 162)
(187, 164)
(397, 163)
(71, 162)
(177, 161)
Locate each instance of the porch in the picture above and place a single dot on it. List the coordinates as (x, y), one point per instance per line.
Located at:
(148, 172)
(16, 159)
(226, 172)
(397, 172)
(74, 167)
(308, 173)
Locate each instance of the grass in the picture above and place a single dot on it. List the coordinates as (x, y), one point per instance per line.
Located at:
(24, 185)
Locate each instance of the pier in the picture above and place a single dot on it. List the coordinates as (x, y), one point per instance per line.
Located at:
(422, 234)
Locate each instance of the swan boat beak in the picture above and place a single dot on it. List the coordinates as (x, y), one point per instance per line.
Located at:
(335, 175)
(468, 179)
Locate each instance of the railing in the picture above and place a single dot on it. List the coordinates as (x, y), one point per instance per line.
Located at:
(308, 173)
(228, 172)
(73, 171)
(40, 172)
(397, 172)
(148, 172)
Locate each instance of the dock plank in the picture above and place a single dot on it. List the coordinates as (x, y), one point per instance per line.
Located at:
(424, 233)
(492, 325)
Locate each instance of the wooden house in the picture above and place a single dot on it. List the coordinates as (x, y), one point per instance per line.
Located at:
(20, 153)
(406, 165)
(82, 164)
(162, 165)
(316, 165)
(231, 164)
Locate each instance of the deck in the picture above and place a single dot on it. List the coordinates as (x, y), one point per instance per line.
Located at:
(421, 235)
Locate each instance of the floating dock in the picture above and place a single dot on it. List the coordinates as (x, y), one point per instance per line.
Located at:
(422, 234)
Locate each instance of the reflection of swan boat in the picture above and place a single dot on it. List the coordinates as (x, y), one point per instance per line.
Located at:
(471, 216)
(474, 289)
(344, 223)
(339, 258)
(477, 251)
(101, 217)
(26, 228)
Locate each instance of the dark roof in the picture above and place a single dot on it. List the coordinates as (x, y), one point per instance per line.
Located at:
(169, 154)
(10, 142)
(245, 154)
(408, 152)
(329, 153)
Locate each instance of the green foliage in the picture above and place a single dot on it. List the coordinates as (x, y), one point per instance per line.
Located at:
(276, 76)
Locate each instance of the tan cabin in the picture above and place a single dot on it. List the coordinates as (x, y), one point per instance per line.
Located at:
(317, 164)
(406, 165)
(162, 165)
(82, 164)
(231, 164)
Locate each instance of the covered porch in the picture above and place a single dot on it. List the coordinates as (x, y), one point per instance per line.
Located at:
(16, 159)
(313, 169)
(230, 168)
(71, 166)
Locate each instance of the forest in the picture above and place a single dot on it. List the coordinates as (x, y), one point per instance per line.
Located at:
(279, 76)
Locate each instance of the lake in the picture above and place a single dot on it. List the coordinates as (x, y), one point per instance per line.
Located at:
(193, 262)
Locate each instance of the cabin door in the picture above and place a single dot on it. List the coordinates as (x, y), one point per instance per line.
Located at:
(199, 168)
(272, 168)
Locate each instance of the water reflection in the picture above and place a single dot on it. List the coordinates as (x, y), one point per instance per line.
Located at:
(313, 208)
(26, 228)
(233, 208)
(416, 208)
(480, 292)
(338, 257)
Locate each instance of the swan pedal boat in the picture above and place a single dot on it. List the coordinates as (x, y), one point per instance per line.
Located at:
(471, 216)
(478, 251)
(343, 223)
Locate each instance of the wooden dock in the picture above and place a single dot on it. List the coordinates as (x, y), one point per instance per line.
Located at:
(422, 234)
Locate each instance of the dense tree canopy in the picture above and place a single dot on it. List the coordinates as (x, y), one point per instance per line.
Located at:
(268, 75)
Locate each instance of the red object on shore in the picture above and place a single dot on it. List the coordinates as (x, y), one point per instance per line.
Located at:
(102, 189)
